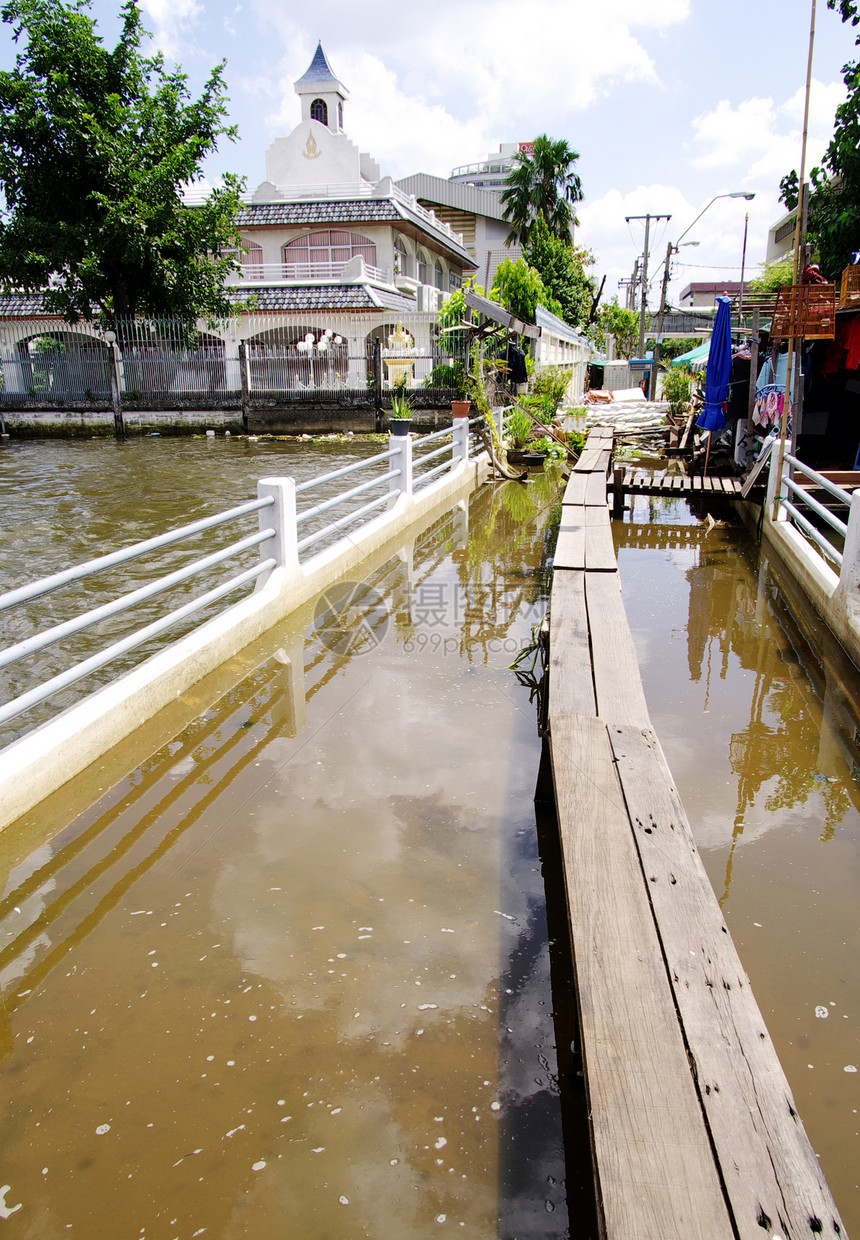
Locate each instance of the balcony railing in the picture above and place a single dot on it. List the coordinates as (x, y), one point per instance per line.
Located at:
(304, 273)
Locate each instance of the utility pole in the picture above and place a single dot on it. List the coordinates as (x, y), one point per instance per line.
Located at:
(647, 218)
(659, 334)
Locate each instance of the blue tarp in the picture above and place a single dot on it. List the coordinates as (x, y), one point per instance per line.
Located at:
(718, 374)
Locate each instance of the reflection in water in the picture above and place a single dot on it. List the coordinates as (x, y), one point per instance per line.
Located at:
(291, 975)
(759, 725)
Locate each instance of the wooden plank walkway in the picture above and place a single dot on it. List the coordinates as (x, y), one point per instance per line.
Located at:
(695, 1134)
(640, 482)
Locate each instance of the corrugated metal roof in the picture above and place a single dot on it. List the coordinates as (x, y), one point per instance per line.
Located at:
(452, 194)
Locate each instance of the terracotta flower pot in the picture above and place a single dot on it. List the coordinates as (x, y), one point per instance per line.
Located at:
(460, 408)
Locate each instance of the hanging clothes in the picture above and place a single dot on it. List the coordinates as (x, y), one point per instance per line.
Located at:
(844, 349)
(770, 392)
(516, 362)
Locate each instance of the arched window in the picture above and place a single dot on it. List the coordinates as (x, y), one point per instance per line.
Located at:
(401, 257)
(340, 116)
(439, 276)
(319, 111)
(423, 268)
(252, 261)
(324, 250)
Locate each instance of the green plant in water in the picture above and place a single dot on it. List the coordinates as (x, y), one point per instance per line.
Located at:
(518, 427)
(550, 448)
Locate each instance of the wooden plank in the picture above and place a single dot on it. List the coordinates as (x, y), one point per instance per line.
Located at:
(570, 545)
(599, 548)
(589, 459)
(654, 1170)
(763, 457)
(574, 492)
(595, 490)
(617, 682)
(767, 1164)
(571, 682)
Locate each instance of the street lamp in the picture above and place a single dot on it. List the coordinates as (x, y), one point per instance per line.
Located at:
(738, 193)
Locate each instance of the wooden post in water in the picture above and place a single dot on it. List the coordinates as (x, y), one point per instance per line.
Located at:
(245, 380)
(115, 389)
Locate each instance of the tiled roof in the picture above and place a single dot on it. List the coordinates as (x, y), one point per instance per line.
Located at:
(21, 305)
(351, 211)
(302, 297)
(319, 70)
(272, 298)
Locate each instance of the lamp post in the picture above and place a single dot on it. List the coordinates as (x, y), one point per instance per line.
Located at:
(738, 193)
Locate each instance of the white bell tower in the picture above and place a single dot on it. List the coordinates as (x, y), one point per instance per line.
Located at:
(322, 94)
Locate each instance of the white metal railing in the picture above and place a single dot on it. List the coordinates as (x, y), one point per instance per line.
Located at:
(784, 491)
(277, 273)
(277, 539)
(161, 584)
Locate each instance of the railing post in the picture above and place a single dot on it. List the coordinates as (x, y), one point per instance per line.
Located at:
(401, 446)
(281, 517)
(849, 575)
(775, 482)
(499, 415)
(460, 446)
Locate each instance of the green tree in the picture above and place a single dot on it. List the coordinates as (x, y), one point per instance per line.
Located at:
(562, 267)
(834, 199)
(773, 276)
(616, 320)
(546, 183)
(520, 289)
(95, 147)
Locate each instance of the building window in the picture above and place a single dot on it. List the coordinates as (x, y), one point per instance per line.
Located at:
(252, 261)
(319, 111)
(324, 250)
(423, 268)
(454, 281)
(401, 257)
(340, 116)
(439, 276)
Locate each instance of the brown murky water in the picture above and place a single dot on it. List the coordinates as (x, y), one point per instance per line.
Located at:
(760, 729)
(291, 977)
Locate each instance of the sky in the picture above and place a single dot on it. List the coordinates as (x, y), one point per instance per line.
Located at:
(669, 103)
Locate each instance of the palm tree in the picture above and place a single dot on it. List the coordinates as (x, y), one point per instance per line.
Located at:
(543, 182)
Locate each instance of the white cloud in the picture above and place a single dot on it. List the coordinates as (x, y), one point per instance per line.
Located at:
(486, 72)
(173, 20)
(762, 138)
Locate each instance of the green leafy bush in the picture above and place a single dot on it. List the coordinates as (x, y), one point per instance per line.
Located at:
(677, 382)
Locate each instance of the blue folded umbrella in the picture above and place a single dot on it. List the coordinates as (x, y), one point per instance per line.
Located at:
(719, 371)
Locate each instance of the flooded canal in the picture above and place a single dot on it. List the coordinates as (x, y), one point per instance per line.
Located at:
(291, 976)
(761, 732)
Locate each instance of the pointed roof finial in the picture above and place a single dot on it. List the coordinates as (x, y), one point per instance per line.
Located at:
(318, 71)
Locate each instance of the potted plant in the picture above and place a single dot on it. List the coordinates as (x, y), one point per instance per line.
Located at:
(400, 417)
(462, 403)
